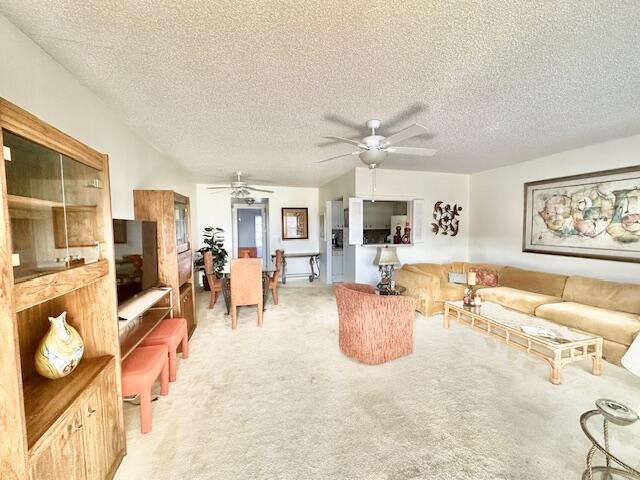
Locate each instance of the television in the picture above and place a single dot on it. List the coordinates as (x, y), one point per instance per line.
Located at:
(136, 257)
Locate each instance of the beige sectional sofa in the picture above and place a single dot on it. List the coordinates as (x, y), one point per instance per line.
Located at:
(610, 310)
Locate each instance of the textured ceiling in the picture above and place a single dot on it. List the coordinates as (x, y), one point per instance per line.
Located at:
(222, 85)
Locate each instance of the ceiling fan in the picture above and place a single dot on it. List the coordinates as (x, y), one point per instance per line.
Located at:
(240, 189)
(373, 149)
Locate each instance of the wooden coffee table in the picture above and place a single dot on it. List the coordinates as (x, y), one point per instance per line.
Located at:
(504, 324)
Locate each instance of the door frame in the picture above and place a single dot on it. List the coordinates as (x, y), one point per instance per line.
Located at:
(264, 209)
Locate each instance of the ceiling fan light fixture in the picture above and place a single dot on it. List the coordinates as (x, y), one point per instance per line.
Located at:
(373, 157)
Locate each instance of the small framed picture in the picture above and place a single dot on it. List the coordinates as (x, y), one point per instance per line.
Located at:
(346, 218)
(295, 223)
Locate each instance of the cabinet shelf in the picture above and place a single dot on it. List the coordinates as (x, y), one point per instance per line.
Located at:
(52, 285)
(46, 400)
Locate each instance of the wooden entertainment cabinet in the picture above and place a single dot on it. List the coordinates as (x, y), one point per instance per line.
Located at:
(56, 254)
(171, 212)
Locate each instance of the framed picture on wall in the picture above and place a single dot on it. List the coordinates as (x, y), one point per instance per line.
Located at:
(596, 215)
(295, 223)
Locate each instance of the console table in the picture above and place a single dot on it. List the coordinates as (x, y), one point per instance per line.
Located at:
(314, 264)
(140, 315)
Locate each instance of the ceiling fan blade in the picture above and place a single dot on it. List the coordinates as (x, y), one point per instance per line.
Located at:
(259, 190)
(344, 140)
(422, 152)
(218, 188)
(339, 156)
(340, 120)
(408, 114)
(411, 131)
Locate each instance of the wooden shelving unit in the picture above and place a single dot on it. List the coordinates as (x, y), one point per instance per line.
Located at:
(46, 400)
(175, 258)
(70, 427)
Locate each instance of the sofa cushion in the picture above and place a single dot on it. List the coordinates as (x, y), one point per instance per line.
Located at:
(520, 300)
(428, 268)
(623, 297)
(537, 282)
(616, 326)
(485, 277)
(450, 291)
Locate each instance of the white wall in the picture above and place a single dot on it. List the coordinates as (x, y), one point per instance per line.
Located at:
(214, 209)
(340, 188)
(32, 80)
(497, 210)
(430, 186)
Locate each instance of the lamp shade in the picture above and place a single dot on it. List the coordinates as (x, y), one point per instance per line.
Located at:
(631, 359)
(386, 256)
(471, 279)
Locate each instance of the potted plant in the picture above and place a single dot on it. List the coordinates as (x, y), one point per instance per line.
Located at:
(214, 243)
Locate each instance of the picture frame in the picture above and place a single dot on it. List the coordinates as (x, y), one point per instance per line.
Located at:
(295, 223)
(593, 215)
(346, 218)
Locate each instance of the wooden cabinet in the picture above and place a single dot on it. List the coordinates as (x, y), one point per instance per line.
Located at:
(62, 454)
(56, 254)
(84, 444)
(170, 211)
(187, 306)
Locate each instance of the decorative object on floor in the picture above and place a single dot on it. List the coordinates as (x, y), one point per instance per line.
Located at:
(295, 223)
(240, 189)
(469, 292)
(615, 414)
(246, 287)
(594, 215)
(373, 149)
(374, 328)
(60, 350)
(446, 221)
(273, 279)
(386, 259)
(505, 325)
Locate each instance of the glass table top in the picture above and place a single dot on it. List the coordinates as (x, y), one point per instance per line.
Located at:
(516, 320)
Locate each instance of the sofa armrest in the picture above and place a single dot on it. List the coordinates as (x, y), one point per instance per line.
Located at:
(423, 287)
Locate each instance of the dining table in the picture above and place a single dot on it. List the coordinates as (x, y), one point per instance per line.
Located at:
(268, 269)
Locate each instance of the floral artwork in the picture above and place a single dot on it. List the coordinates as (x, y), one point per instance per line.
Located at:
(446, 221)
(595, 215)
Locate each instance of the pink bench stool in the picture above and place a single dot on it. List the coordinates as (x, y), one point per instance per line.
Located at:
(140, 370)
(170, 333)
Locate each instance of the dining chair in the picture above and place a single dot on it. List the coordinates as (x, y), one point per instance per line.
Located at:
(246, 286)
(273, 280)
(248, 252)
(215, 284)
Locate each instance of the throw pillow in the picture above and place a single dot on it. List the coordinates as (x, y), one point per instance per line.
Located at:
(485, 278)
(455, 277)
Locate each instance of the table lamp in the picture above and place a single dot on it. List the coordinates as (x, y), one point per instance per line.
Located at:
(386, 259)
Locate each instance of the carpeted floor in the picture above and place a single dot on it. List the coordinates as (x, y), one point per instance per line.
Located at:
(282, 402)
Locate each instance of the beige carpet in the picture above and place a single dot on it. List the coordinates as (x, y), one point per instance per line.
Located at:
(282, 402)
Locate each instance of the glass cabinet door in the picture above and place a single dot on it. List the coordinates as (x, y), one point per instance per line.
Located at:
(182, 226)
(54, 209)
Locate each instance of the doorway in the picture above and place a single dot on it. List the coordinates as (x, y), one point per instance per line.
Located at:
(251, 230)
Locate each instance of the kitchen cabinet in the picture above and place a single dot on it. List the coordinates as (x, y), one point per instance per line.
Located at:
(337, 265)
(337, 216)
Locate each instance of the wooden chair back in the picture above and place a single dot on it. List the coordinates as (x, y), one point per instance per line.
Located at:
(278, 265)
(248, 252)
(246, 281)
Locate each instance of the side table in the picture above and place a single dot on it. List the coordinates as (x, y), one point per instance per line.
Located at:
(596, 425)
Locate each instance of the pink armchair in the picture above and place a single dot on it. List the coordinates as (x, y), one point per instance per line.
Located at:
(374, 329)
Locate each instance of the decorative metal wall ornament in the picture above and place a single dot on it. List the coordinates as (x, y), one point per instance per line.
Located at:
(445, 219)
